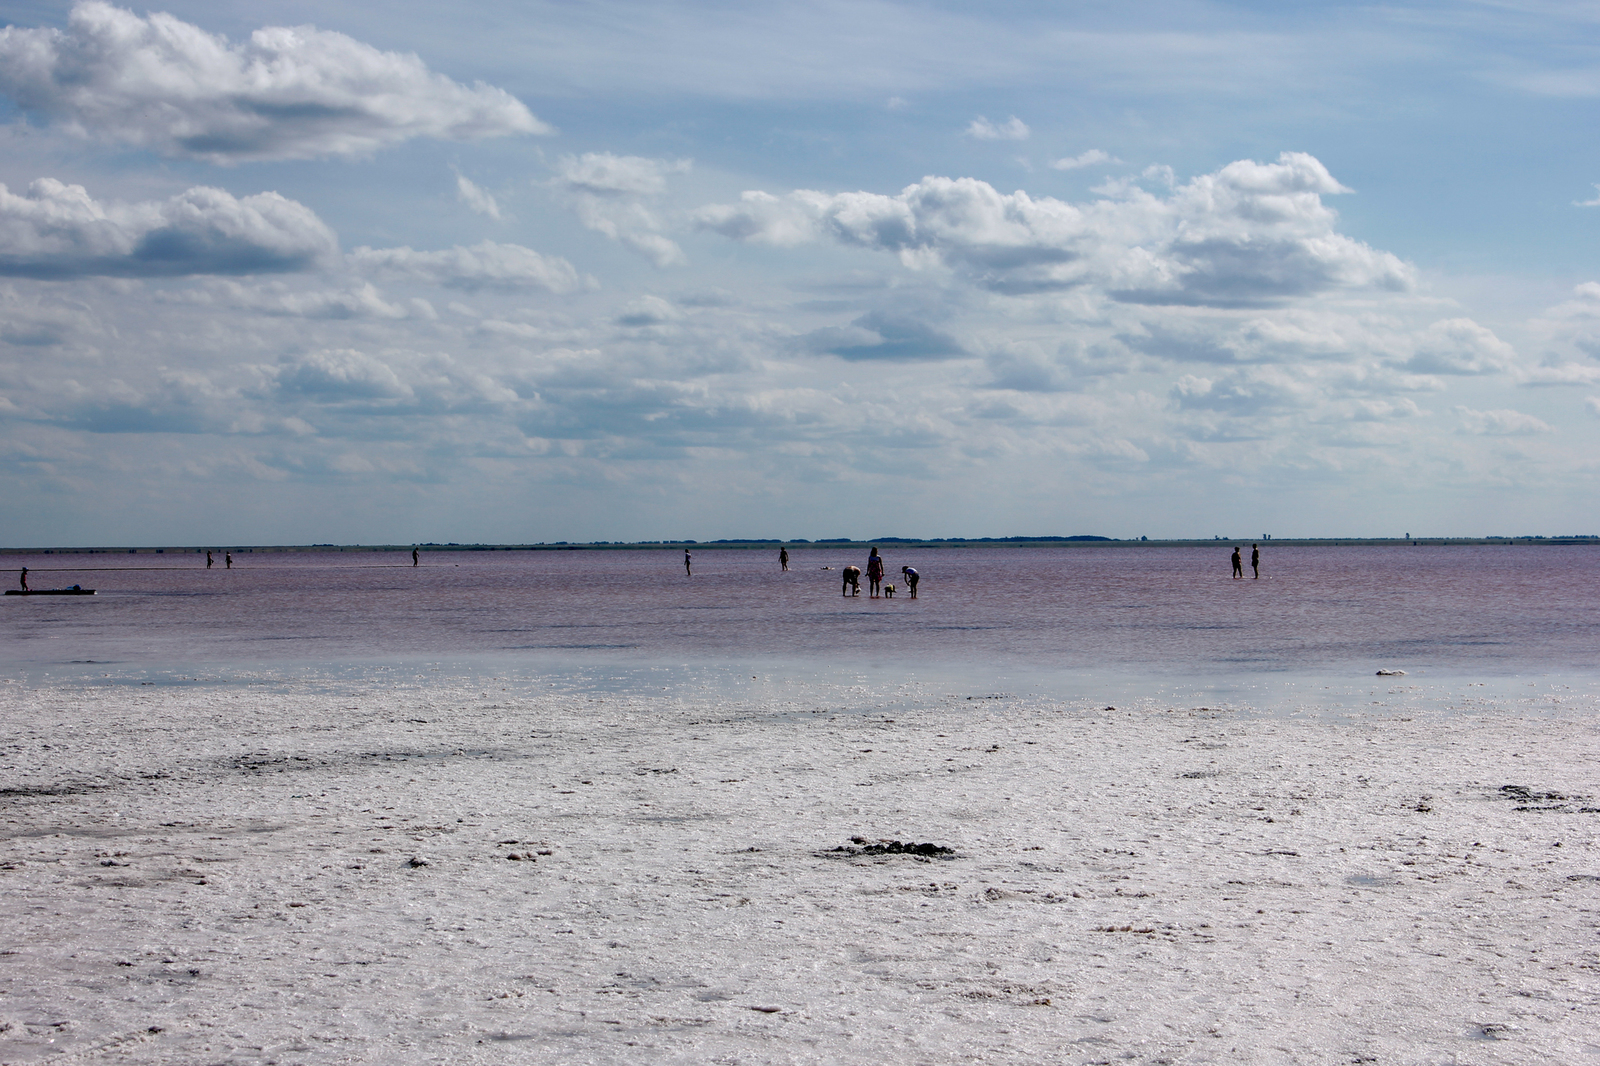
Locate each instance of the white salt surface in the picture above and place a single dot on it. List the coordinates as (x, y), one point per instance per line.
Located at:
(294, 872)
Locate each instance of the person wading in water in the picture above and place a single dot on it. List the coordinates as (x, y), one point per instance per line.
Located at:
(874, 573)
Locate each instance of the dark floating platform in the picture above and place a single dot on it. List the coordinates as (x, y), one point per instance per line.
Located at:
(74, 591)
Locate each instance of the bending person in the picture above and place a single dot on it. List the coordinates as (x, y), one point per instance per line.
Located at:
(911, 579)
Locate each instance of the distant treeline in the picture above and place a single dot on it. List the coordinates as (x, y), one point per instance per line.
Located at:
(1082, 540)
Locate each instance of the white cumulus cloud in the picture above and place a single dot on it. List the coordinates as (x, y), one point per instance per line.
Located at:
(1502, 423)
(649, 311)
(1460, 346)
(55, 231)
(339, 375)
(610, 194)
(350, 302)
(478, 200)
(1093, 157)
(485, 265)
(287, 93)
(1249, 234)
(1013, 129)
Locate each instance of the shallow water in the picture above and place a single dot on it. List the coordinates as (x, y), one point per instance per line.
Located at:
(1125, 621)
(1504, 609)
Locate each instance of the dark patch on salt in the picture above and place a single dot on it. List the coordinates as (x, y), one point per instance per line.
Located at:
(1523, 794)
(1538, 802)
(861, 847)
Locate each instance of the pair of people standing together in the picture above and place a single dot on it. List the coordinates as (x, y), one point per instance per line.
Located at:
(1255, 561)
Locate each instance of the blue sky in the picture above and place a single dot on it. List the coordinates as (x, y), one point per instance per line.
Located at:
(410, 272)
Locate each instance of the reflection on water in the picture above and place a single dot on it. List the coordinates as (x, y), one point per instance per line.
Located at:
(1496, 610)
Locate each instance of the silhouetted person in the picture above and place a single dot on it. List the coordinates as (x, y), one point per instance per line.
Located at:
(911, 579)
(227, 560)
(1255, 560)
(414, 557)
(24, 579)
(209, 560)
(686, 562)
(1238, 565)
(783, 558)
(874, 573)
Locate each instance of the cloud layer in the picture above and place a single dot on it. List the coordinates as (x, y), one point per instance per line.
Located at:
(287, 93)
(58, 231)
(486, 265)
(975, 352)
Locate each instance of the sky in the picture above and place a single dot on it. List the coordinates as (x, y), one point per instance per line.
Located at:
(283, 272)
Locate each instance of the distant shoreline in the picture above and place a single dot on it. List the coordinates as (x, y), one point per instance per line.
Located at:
(767, 545)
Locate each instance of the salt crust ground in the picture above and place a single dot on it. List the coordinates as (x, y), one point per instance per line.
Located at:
(225, 874)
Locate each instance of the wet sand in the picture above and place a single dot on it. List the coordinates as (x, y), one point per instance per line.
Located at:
(360, 872)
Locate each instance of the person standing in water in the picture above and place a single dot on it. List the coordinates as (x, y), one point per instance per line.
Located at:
(783, 559)
(911, 579)
(686, 563)
(874, 573)
(227, 560)
(24, 579)
(413, 557)
(1238, 565)
(209, 560)
(1255, 560)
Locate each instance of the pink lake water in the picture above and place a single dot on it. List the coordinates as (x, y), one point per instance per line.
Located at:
(1175, 611)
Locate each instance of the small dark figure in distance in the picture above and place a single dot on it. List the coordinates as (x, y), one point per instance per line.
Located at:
(911, 579)
(414, 557)
(24, 578)
(852, 581)
(888, 592)
(874, 573)
(783, 558)
(209, 560)
(227, 560)
(686, 563)
(1238, 566)
(1255, 560)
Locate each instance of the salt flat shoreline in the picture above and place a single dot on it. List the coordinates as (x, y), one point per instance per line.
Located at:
(292, 871)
